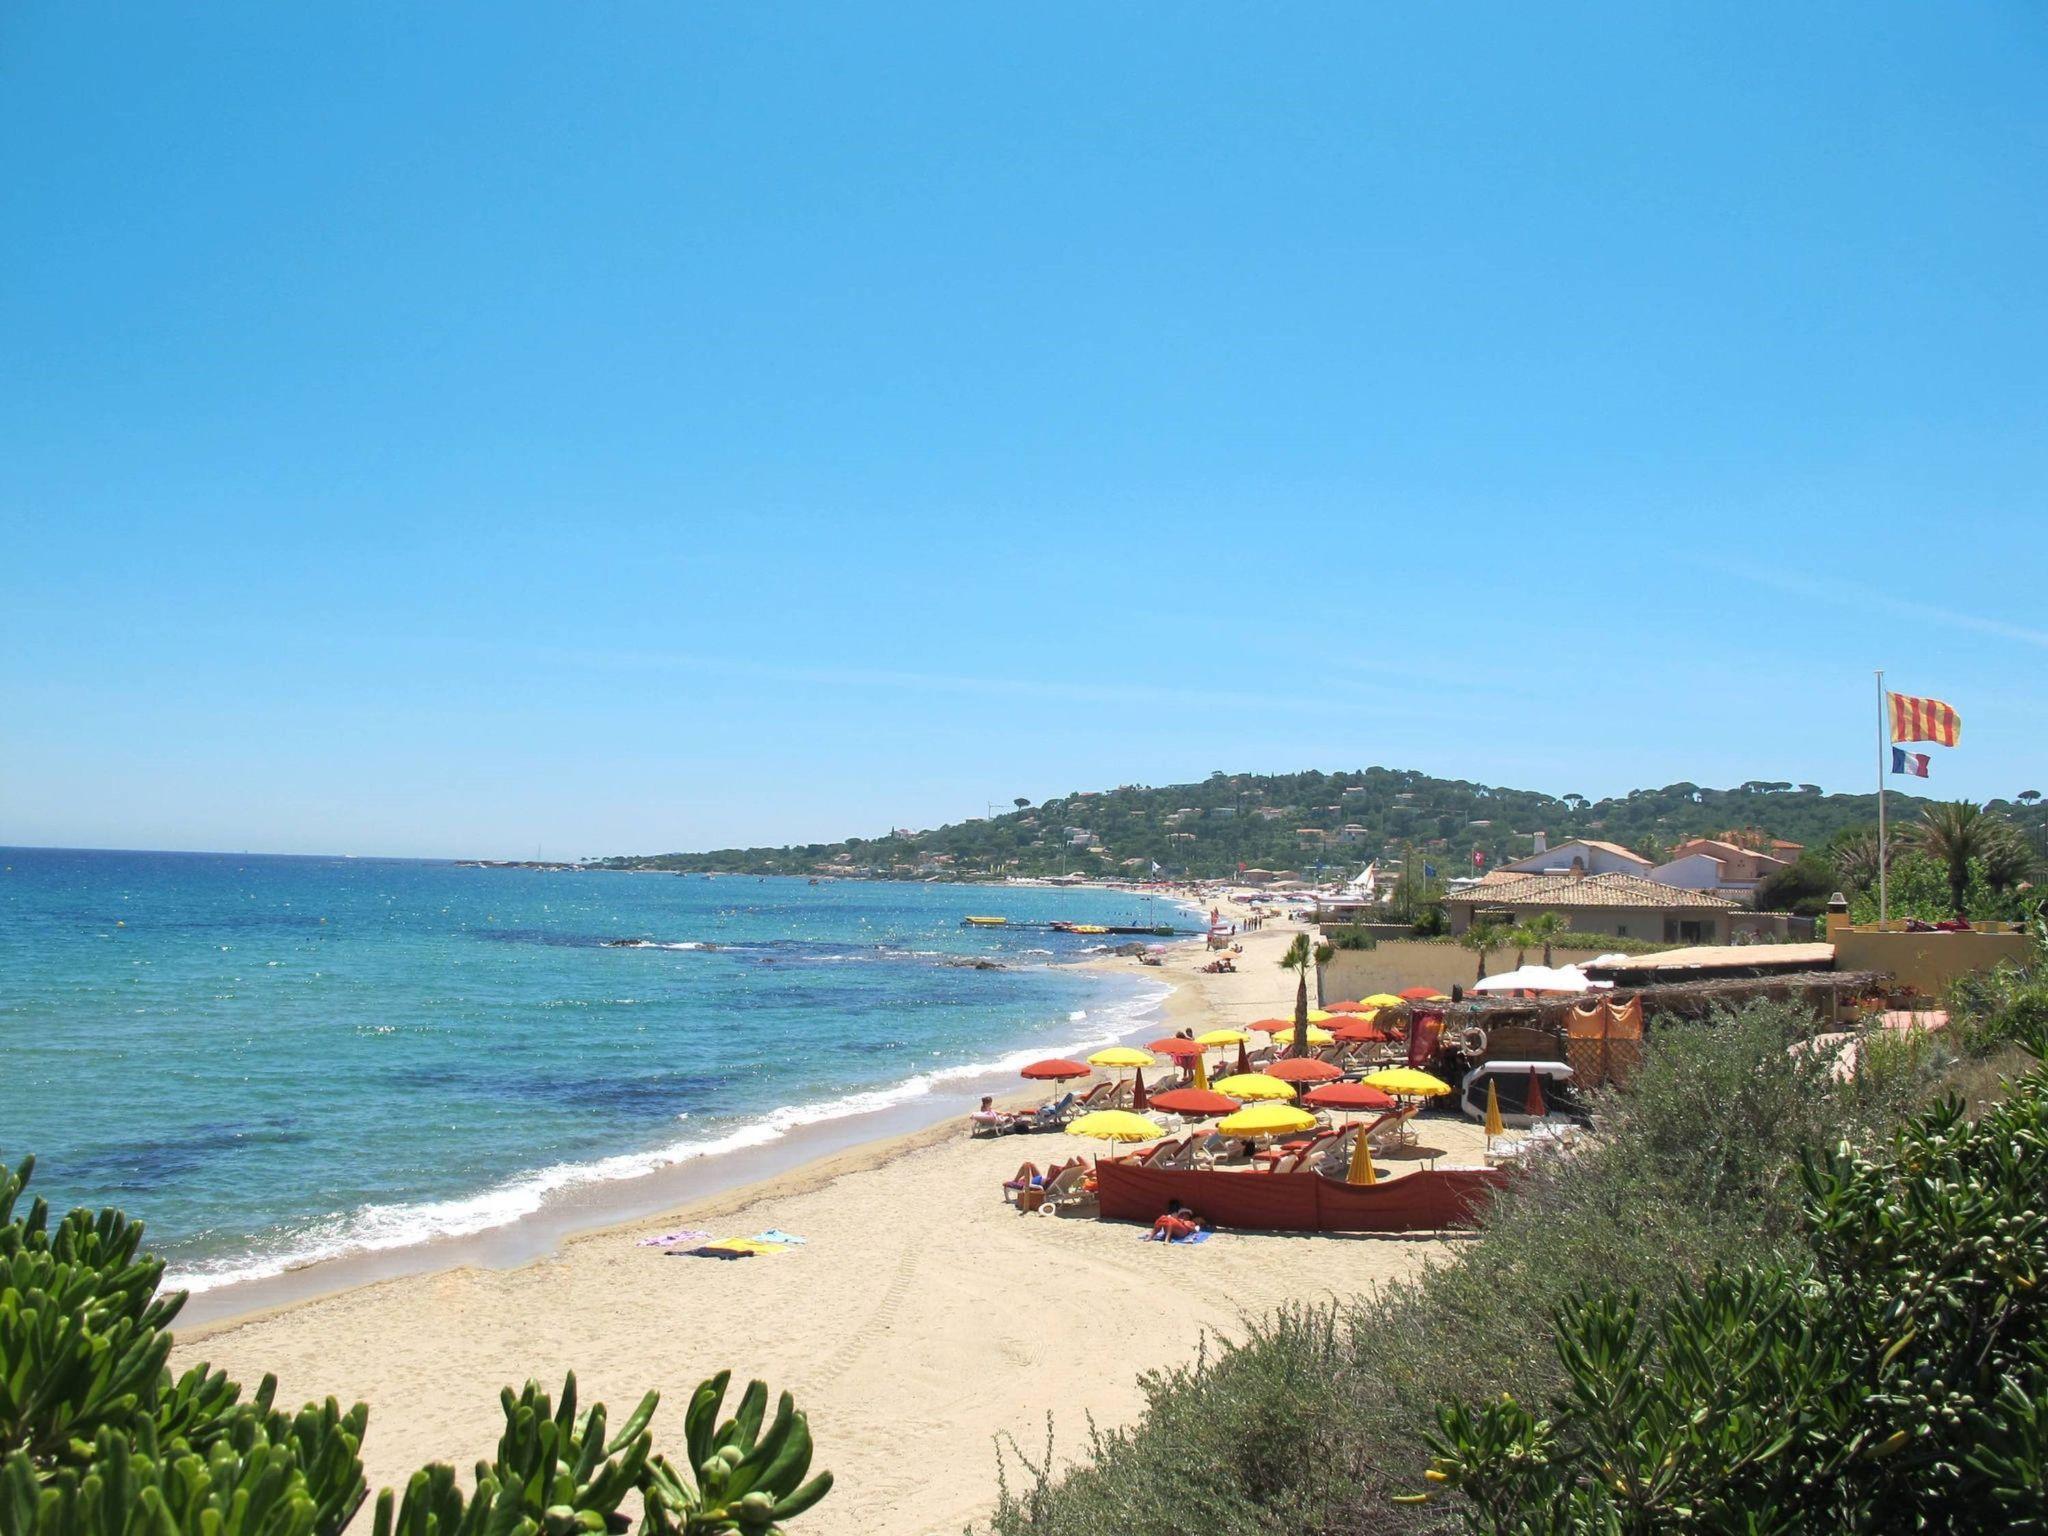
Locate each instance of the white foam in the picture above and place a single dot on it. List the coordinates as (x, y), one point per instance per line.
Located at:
(379, 1228)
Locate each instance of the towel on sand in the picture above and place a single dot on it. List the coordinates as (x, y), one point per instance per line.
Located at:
(734, 1248)
(670, 1239)
(777, 1235)
(1193, 1237)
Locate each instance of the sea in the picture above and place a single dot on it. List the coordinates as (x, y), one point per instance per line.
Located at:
(275, 1061)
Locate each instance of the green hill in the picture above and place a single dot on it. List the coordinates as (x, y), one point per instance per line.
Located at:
(1301, 821)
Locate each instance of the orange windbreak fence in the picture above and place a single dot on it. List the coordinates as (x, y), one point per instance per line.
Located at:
(1423, 1201)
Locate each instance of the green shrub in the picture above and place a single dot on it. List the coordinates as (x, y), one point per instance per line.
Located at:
(98, 1439)
(1891, 1378)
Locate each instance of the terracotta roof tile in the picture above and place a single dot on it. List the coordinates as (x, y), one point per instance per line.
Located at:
(1615, 890)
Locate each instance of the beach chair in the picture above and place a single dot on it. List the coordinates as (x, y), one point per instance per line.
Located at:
(1097, 1097)
(1027, 1176)
(1065, 1189)
(1054, 1113)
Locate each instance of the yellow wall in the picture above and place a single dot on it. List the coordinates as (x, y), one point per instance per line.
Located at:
(1928, 962)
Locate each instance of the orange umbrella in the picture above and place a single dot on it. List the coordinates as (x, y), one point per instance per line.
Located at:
(1347, 1096)
(1271, 1026)
(1349, 1005)
(1179, 1047)
(1303, 1069)
(1360, 1029)
(1196, 1103)
(1056, 1069)
(1532, 1102)
(1138, 1101)
(1420, 994)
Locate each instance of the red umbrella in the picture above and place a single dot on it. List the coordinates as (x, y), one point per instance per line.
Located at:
(1532, 1102)
(1179, 1047)
(1272, 1026)
(1358, 1029)
(1347, 1096)
(1349, 1005)
(1420, 994)
(1303, 1069)
(1056, 1069)
(1197, 1103)
(1244, 1062)
(1138, 1101)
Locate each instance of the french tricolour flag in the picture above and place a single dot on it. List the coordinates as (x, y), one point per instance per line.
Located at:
(1914, 763)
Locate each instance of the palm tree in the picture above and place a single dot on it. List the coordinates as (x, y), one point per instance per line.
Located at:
(1855, 860)
(1482, 936)
(1542, 929)
(1300, 954)
(1958, 833)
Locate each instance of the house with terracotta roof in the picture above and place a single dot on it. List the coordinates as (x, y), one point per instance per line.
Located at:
(1580, 855)
(1628, 905)
(1725, 868)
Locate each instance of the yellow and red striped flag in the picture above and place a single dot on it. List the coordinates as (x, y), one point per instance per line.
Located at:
(1924, 720)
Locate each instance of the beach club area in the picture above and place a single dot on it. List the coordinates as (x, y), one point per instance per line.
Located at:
(924, 1314)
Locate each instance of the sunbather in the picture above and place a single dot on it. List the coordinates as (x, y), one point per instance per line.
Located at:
(990, 1121)
(1178, 1221)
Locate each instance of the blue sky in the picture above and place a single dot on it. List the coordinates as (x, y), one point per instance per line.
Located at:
(458, 429)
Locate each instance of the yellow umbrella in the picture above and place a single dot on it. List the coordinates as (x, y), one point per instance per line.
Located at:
(1383, 1000)
(1252, 1085)
(1115, 1125)
(1362, 1170)
(1494, 1125)
(1318, 1016)
(1120, 1056)
(1223, 1037)
(1201, 1072)
(1407, 1083)
(1267, 1120)
(1317, 1035)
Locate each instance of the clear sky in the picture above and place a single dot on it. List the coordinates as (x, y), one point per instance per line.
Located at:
(627, 427)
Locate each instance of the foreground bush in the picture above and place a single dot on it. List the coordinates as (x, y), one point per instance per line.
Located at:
(1896, 1380)
(98, 1439)
(1316, 1421)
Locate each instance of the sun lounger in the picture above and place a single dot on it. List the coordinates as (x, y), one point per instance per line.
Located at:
(1054, 1113)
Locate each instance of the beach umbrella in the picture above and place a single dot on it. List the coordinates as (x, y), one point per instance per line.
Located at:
(1317, 1035)
(1347, 1097)
(1317, 1016)
(1055, 1070)
(1138, 1104)
(1362, 1170)
(1267, 1120)
(1120, 1056)
(1115, 1125)
(1195, 1103)
(1495, 1126)
(1363, 1027)
(1244, 1062)
(1222, 1037)
(1201, 1073)
(1179, 1047)
(1272, 1026)
(1407, 1083)
(1384, 1000)
(1303, 1069)
(1532, 1102)
(1254, 1086)
(1349, 1005)
(1423, 995)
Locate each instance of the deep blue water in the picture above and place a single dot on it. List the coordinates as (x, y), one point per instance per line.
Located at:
(275, 1059)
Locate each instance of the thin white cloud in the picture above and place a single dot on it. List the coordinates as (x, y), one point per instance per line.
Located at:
(1855, 595)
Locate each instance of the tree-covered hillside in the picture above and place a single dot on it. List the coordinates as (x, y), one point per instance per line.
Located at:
(1303, 821)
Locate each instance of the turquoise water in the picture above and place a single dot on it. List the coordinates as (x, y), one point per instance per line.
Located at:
(274, 1060)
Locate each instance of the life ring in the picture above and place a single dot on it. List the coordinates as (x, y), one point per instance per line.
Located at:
(1471, 1040)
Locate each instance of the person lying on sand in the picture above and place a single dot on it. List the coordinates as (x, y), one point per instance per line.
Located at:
(1178, 1221)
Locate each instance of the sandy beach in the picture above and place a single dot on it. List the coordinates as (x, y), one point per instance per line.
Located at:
(922, 1319)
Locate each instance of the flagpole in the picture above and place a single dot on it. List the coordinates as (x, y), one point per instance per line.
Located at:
(1883, 849)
